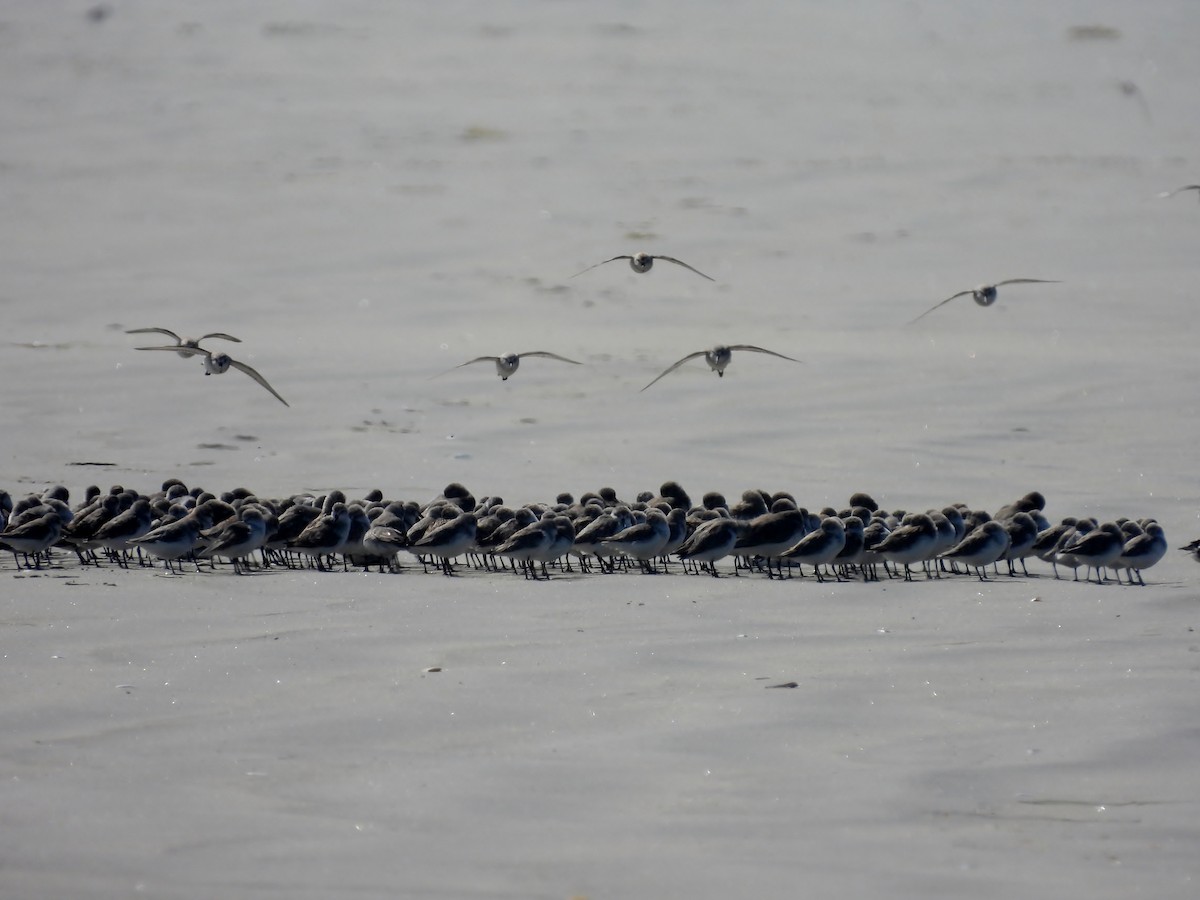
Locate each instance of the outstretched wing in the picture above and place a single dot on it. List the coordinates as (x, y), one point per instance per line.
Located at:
(1186, 187)
(179, 348)
(1024, 281)
(491, 359)
(165, 331)
(549, 355)
(761, 350)
(219, 334)
(242, 367)
(676, 366)
(589, 268)
(680, 262)
(943, 303)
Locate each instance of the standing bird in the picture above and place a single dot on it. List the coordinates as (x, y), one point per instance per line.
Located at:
(219, 363)
(643, 541)
(914, 541)
(1097, 549)
(983, 545)
(183, 343)
(643, 263)
(718, 358)
(33, 538)
(507, 365)
(985, 294)
(238, 538)
(819, 548)
(452, 538)
(713, 540)
(1141, 552)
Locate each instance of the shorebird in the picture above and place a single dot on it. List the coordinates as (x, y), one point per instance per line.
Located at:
(1022, 535)
(529, 544)
(117, 533)
(382, 543)
(590, 540)
(323, 535)
(771, 533)
(982, 547)
(820, 547)
(643, 263)
(718, 358)
(1194, 549)
(1130, 89)
(507, 365)
(238, 538)
(219, 363)
(1032, 502)
(452, 538)
(1186, 187)
(985, 294)
(643, 541)
(174, 540)
(1141, 552)
(33, 538)
(854, 552)
(914, 541)
(80, 534)
(1097, 549)
(713, 540)
(183, 343)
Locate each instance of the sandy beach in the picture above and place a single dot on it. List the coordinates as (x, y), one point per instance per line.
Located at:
(368, 195)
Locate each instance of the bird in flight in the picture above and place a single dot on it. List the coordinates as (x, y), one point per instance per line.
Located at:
(219, 363)
(644, 262)
(985, 294)
(183, 343)
(507, 365)
(718, 358)
(1186, 187)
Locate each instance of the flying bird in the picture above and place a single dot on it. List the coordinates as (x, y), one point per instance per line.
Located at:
(183, 342)
(508, 364)
(644, 262)
(985, 294)
(219, 363)
(1130, 89)
(718, 358)
(1186, 187)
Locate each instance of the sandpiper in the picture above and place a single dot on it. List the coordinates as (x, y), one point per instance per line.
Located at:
(219, 363)
(984, 294)
(643, 263)
(508, 363)
(718, 358)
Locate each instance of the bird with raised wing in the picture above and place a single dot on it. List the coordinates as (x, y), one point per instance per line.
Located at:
(1186, 187)
(984, 294)
(219, 363)
(507, 365)
(183, 343)
(718, 358)
(643, 263)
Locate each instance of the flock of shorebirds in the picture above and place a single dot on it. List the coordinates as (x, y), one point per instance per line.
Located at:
(717, 357)
(768, 534)
(763, 533)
